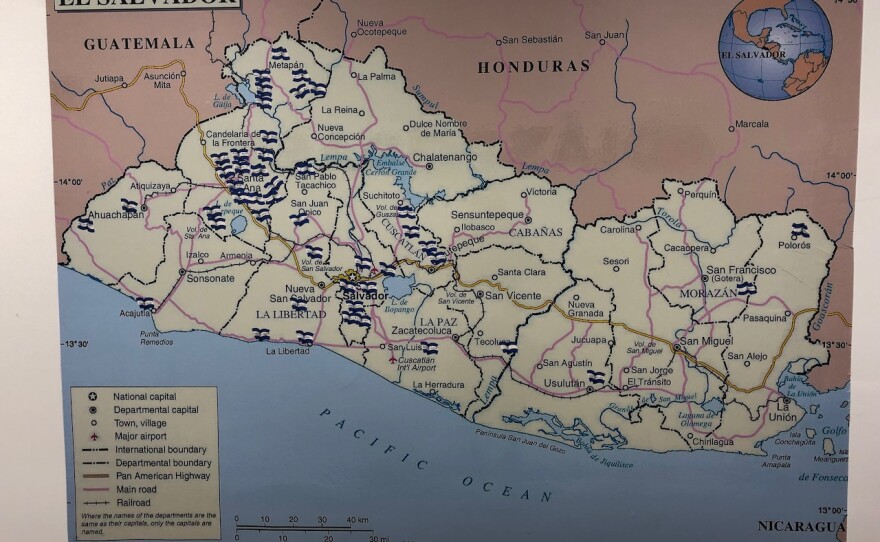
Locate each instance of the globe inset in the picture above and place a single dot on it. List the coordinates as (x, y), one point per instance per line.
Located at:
(775, 49)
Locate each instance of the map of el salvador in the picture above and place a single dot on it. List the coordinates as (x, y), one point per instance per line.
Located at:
(329, 209)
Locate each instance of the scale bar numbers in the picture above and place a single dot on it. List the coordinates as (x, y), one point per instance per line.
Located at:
(266, 529)
(302, 528)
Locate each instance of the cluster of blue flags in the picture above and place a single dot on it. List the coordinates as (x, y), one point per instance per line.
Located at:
(306, 85)
(355, 314)
(263, 92)
(214, 217)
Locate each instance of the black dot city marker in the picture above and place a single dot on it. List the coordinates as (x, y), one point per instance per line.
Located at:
(93, 410)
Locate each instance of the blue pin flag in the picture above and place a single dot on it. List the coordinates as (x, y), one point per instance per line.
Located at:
(260, 334)
(305, 338)
(746, 288)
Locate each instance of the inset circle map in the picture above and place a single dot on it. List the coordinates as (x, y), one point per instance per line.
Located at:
(775, 50)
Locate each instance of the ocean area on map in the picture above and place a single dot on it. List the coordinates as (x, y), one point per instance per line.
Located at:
(318, 434)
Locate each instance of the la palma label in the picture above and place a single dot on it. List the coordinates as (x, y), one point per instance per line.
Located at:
(123, 5)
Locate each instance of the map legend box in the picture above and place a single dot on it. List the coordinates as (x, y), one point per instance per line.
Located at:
(146, 463)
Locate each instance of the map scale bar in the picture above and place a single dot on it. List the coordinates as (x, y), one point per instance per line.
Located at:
(303, 528)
